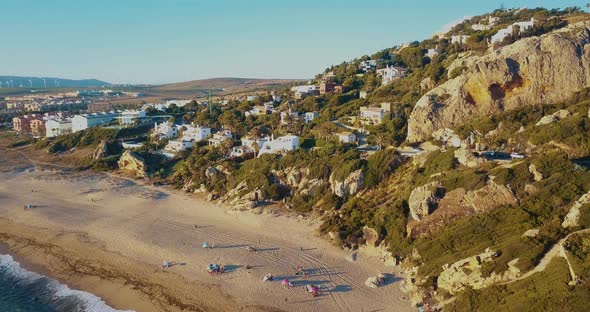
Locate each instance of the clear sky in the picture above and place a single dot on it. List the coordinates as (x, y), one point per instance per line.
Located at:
(158, 41)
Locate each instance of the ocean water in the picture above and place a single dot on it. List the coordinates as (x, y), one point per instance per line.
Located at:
(25, 291)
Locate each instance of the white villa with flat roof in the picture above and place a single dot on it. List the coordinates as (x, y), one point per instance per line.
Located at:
(391, 73)
(280, 145)
(85, 121)
(175, 146)
(132, 117)
(56, 127)
(310, 116)
(220, 137)
(503, 33)
(346, 137)
(195, 134)
(254, 143)
(375, 115)
(165, 130)
(242, 151)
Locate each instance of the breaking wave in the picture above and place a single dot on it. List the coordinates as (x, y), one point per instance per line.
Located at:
(22, 290)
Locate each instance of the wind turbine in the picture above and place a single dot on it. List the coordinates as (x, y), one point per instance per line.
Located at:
(31, 82)
(44, 83)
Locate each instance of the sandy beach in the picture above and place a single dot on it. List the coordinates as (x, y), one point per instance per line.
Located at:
(109, 236)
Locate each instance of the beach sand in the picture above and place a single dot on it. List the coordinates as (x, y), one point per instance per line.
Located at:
(109, 236)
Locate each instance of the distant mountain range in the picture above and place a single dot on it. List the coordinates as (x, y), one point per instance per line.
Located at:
(48, 82)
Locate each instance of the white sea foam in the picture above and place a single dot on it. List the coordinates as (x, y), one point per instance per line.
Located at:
(50, 291)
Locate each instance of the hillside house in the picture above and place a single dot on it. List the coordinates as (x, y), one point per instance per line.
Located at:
(302, 91)
(432, 52)
(375, 115)
(254, 143)
(57, 127)
(326, 87)
(363, 95)
(505, 32)
(251, 98)
(175, 146)
(346, 137)
(195, 134)
(460, 39)
(165, 130)
(368, 65)
(220, 137)
(130, 118)
(242, 151)
(391, 73)
(310, 116)
(280, 145)
(85, 121)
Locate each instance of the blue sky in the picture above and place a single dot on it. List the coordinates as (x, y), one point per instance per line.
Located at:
(158, 41)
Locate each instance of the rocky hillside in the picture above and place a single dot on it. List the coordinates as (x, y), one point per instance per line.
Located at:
(532, 71)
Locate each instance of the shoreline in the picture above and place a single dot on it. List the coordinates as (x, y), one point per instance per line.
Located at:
(113, 245)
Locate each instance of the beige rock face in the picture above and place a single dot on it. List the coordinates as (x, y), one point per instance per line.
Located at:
(468, 273)
(466, 158)
(532, 71)
(350, 186)
(537, 176)
(133, 162)
(423, 200)
(573, 216)
(555, 117)
(101, 151)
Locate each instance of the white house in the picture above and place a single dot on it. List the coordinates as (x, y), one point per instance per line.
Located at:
(165, 130)
(367, 65)
(310, 116)
(461, 39)
(85, 121)
(280, 145)
(131, 118)
(505, 32)
(243, 151)
(251, 98)
(363, 94)
(254, 143)
(179, 103)
(175, 146)
(305, 90)
(220, 137)
(375, 115)
(432, 52)
(195, 134)
(346, 137)
(391, 73)
(55, 127)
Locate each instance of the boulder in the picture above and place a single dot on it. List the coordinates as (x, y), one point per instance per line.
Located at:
(469, 272)
(211, 172)
(371, 236)
(533, 71)
(537, 176)
(489, 197)
(423, 200)
(531, 233)
(350, 186)
(374, 282)
(466, 158)
(426, 84)
(132, 162)
(549, 119)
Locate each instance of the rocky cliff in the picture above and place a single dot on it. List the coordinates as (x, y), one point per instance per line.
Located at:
(532, 71)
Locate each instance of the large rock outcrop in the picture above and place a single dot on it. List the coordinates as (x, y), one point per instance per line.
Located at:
(469, 272)
(424, 199)
(532, 71)
(132, 162)
(101, 151)
(350, 186)
(573, 216)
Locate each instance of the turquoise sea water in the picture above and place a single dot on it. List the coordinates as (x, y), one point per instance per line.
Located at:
(25, 291)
